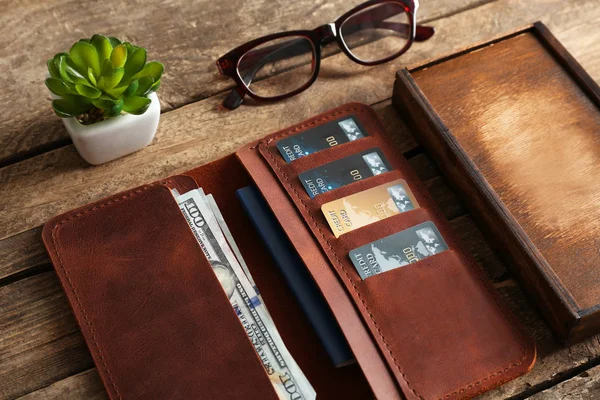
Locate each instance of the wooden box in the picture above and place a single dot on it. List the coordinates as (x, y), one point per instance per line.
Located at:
(515, 125)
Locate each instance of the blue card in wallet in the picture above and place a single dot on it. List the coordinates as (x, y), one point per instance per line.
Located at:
(297, 277)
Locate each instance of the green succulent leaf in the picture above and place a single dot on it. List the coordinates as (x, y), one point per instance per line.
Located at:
(91, 77)
(57, 86)
(103, 47)
(60, 113)
(84, 55)
(102, 73)
(62, 69)
(53, 69)
(130, 48)
(107, 82)
(154, 87)
(116, 92)
(114, 42)
(116, 109)
(107, 67)
(104, 103)
(119, 55)
(70, 106)
(132, 88)
(75, 76)
(136, 104)
(153, 69)
(135, 61)
(144, 86)
(88, 91)
(57, 56)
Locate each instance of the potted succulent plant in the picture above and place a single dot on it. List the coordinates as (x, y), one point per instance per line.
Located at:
(105, 92)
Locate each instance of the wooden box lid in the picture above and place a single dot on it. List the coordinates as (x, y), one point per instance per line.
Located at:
(515, 124)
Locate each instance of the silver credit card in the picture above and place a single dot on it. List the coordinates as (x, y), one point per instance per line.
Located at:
(397, 250)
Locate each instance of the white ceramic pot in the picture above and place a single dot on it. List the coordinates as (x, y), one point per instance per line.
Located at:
(115, 137)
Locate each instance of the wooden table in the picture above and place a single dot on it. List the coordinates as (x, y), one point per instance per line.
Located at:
(42, 352)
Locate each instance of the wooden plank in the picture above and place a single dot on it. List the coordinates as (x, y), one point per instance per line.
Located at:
(40, 341)
(54, 182)
(86, 385)
(584, 386)
(21, 252)
(187, 36)
(554, 361)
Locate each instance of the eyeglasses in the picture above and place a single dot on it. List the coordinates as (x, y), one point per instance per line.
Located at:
(372, 33)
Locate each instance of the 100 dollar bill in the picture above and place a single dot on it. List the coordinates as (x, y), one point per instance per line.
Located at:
(288, 380)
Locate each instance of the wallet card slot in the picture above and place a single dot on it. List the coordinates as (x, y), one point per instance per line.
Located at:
(386, 227)
(148, 302)
(382, 229)
(384, 321)
(356, 187)
(437, 307)
(333, 154)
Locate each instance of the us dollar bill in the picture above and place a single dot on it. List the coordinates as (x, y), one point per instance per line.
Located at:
(285, 375)
(214, 208)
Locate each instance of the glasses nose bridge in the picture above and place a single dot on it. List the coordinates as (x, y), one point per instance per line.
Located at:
(326, 33)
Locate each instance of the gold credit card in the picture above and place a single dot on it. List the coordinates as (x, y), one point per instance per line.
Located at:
(363, 208)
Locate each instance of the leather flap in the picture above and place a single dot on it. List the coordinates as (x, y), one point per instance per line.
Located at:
(137, 282)
(433, 330)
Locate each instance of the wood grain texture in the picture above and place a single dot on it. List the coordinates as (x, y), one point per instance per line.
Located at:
(85, 385)
(554, 361)
(54, 353)
(40, 340)
(202, 131)
(532, 133)
(22, 252)
(584, 386)
(526, 119)
(187, 36)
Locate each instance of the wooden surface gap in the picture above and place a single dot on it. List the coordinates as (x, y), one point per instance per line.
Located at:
(411, 153)
(468, 7)
(556, 380)
(34, 151)
(24, 274)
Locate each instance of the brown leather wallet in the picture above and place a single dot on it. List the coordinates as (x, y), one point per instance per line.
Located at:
(159, 325)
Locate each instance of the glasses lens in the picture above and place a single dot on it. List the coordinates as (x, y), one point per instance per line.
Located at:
(377, 32)
(278, 67)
